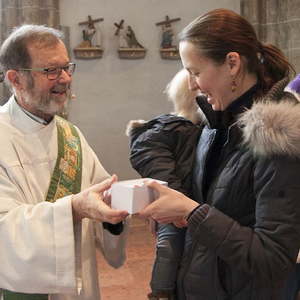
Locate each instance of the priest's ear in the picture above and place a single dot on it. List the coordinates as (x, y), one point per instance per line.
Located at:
(14, 78)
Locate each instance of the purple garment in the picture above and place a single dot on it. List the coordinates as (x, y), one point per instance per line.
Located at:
(294, 85)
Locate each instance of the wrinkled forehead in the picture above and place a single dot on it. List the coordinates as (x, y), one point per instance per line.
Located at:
(44, 55)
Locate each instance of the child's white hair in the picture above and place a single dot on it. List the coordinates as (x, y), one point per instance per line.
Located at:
(184, 99)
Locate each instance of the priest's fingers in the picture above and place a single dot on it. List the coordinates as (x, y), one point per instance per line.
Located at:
(89, 203)
(107, 193)
(107, 214)
(115, 216)
(104, 185)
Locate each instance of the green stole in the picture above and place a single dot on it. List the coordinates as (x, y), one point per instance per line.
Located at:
(65, 180)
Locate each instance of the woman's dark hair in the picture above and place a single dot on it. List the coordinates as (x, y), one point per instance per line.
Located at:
(221, 31)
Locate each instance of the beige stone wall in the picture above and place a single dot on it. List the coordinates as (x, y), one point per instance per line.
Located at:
(17, 12)
(276, 22)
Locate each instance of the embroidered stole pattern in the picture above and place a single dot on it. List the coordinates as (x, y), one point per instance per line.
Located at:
(65, 180)
(66, 177)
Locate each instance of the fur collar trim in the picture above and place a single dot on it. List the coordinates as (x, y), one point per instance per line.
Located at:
(272, 125)
(133, 124)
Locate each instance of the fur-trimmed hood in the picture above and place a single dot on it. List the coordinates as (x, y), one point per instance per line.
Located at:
(134, 124)
(272, 128)
(272, 125)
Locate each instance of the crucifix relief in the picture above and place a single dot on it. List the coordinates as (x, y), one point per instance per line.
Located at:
(89, 33)
(167, 49)
(90, 47)
(129, 47)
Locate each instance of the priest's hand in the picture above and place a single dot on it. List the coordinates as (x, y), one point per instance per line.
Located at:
(170, 206)
(90, 204)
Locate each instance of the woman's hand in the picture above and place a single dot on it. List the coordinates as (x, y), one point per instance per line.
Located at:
(170, 206)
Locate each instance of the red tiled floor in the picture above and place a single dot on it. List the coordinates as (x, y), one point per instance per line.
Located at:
(131, 281)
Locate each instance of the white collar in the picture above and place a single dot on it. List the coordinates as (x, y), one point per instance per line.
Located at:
(32, 116)
(24, 120)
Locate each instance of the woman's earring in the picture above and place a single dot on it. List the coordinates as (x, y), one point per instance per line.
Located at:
(233, 86)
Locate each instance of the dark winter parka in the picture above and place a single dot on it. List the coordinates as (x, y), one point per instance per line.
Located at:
(246, 236)
(164, 148)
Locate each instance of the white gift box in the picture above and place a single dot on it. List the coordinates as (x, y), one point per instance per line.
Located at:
(132, 195)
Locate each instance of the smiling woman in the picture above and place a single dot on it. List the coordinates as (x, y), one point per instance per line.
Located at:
(211, 78)
(243, 221)
(235, 58)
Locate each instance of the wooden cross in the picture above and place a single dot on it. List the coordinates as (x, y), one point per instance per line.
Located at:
(90, 22)
(119, 26)
(168, 21)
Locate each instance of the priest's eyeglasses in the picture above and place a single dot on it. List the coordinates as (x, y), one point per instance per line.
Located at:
(55, 72)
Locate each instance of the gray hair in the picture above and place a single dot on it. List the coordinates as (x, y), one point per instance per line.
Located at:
(14, 53)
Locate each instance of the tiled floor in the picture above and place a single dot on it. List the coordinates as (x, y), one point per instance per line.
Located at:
(131, 281)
